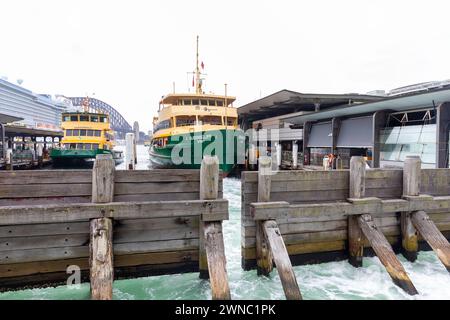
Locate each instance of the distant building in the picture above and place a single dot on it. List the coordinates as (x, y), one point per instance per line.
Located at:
(136, 131)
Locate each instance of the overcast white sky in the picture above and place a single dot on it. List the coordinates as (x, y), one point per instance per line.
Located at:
(129, 52)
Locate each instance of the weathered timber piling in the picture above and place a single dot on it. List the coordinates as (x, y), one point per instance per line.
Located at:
(101, 250)
(433, 236)
(212, 261)
(130, 155)
(282, 261)
(385, 253)
(411, 188)
(356, 191)
(264, 257)
(270, 245)
(359, 225)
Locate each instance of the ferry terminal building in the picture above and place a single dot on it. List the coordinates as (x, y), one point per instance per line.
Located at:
(410, 121)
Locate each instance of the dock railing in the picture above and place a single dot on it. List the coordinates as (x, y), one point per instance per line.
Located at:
(108, 224)
(318, 216)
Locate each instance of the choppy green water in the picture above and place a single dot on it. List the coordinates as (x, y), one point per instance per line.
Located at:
(336, 280)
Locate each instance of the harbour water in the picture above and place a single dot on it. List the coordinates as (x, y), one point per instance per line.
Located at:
(336, 280)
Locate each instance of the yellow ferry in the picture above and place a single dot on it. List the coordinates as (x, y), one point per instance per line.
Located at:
(192, 121)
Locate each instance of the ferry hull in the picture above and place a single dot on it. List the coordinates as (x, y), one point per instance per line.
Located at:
(80, 156)
(227, 149)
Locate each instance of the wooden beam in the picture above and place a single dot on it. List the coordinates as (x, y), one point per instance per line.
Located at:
(433, 236)
(215, 252)
(282, 260)
(385, 253)
(100, 247)
(356, 191)
(264, 259)
(15, 215)
(209, 190)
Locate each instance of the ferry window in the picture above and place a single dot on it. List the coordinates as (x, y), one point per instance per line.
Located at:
(79, 146)
(204, 102)
(87, 146)
(187, 102)
(163, 125)
(231, 121)
(94, 146)
(219, 103)
(195, 102)
(185, 121)
(69, 132)
(82, 133)
(94, 118)
(76, 132)
(72, 146)
(84, 118)
(73, 118)
(90, 133)
(66, 118)
(97, 133)
(103, 119)
(212, 102)
(212, 120)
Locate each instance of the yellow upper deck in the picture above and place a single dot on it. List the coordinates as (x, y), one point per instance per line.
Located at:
(182, 113)
(89, 128)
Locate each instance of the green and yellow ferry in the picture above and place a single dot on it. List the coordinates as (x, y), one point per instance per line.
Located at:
(86, 134)
(191, 125)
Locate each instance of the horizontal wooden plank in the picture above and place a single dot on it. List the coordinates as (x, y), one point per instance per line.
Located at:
(156, 187)
(44, 229)
(45, 177)
(289, 186)
(157, 175)
(116, 210)
(180, 233)
(42, 267)
(302, 196)
(50, 190)
(157, 197)
(252, 176)
(392, 175)
(435, 182)
(385, 193)
(46, 200)
(155, 223)
(43, 241)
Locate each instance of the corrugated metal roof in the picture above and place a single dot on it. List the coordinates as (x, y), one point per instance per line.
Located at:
(402, 103)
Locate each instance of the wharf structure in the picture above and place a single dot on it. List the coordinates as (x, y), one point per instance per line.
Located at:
(30, 124)
(384, 128)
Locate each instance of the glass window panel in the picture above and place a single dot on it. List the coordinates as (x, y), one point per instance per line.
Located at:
(94, 118)
(94, 146)
(212, 103)
(66, 118)
(76, 132)
(195, 102)
(79, 146)
(82, 133)
(97, 133)
(187, 102)
(84, 118)
(73, 118)
(90, 133)
(219, 103)
(69, 132)
(204, 102)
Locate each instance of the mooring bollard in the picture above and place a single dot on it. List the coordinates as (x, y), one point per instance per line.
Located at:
(130, 157)
(101, 248)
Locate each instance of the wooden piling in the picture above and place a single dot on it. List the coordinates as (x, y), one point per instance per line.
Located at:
(356, 191)
(130, 157)
(385, 253)
(282, 260)
(264, 259)
(209, 189)
(411, 187)
(212, 260)
(101, 249)
(215, 252)
(433, 236)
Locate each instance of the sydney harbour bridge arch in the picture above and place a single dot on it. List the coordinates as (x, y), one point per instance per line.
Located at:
(118, 123)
